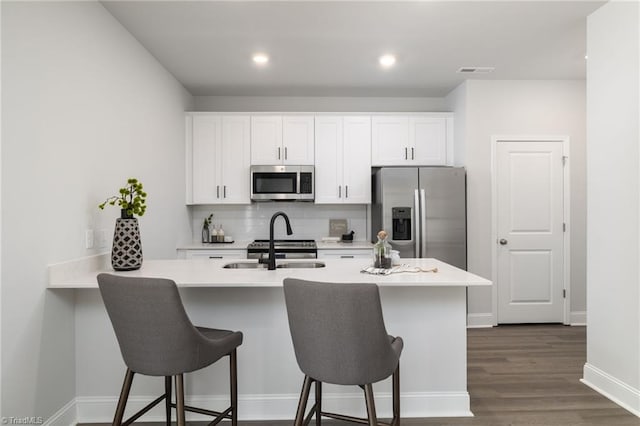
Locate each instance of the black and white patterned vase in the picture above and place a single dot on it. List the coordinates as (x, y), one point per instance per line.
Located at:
(126, 253)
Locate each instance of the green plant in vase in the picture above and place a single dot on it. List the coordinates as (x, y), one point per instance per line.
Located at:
(126, 252)
(131, 199)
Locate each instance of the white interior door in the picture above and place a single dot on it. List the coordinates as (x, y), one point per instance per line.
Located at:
(530, 212)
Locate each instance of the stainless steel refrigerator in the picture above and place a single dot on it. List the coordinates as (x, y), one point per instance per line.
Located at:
(423, 209)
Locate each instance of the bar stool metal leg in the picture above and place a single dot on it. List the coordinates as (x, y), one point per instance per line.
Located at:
(124, 395)
(318, 403)
(302, 404)
(180, 399)
(371, 405)
(233, 374)
(396, 397)
(167, 395)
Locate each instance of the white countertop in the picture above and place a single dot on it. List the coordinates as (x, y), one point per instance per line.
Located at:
(210, 273)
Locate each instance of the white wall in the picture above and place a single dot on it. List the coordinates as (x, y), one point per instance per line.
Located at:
(519, 108)
(84, 107)
(456, 102)
(613, 249)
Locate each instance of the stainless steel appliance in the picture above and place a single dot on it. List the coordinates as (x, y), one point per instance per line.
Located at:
(282, 183)
(423, 210)
(284, 249)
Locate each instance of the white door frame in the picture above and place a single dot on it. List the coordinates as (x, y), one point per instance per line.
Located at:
(566, 202)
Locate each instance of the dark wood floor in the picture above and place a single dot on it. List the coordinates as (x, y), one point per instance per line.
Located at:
(525, 375)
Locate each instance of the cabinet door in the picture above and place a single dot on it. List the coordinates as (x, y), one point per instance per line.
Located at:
(428, 141)
(205, 170)
(297, 140)
(235, 160)
(266, 140)
(356, 154)
(328, 155)
(389, 140)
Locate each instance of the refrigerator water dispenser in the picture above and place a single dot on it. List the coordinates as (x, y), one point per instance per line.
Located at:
(401, 223)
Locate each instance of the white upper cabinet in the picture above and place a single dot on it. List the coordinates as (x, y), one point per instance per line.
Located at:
(343, 160)
(266, 140)
(389, 140)
(297, 140)
(235, 164)
(218, 159)
(412, 140)
(428, 140)
(282, 140)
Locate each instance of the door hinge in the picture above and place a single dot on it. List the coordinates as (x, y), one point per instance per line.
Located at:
(564, 159)
(564, 293)
(564, 227)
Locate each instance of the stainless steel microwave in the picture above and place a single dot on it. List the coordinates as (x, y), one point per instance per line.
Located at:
(282, 183)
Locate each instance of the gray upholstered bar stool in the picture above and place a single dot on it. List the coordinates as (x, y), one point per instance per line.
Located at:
(157, 338)
(339, 337)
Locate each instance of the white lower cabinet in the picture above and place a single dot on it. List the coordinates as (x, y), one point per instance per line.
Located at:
(212, 254)
(364, 254)
(343, 160)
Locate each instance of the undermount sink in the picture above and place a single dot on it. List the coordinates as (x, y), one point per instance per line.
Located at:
(256, 265)
(245, 265)
(301, 265)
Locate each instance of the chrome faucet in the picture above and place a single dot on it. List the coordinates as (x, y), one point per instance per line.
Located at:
(271, 261)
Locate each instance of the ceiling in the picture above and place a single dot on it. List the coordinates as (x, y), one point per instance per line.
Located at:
(331, 48)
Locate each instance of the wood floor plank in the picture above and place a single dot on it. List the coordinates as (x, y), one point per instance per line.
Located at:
(524, 375)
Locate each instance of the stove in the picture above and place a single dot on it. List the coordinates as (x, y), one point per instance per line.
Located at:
(285, 249)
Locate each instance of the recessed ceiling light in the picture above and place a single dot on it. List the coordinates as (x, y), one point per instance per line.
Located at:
(260, 58)
(387, 60)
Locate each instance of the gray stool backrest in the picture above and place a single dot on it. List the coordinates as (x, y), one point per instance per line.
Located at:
(155, 334)
(338, 332)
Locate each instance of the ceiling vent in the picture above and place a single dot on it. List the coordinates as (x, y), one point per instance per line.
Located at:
(475, 70)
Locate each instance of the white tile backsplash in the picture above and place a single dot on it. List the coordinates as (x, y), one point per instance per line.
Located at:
(308, 220)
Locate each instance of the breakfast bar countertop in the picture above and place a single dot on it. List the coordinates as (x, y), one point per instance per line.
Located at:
(211, 273)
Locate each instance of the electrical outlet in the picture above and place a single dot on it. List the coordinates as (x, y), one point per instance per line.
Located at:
(102, 238)
(88, 239)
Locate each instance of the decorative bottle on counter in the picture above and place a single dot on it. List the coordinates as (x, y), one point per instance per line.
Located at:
(382, 252)
(220, 236)
(205, 233)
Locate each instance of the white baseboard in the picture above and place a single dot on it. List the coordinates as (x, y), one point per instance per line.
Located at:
(578, 318)
(479, 320)
(283, 407)
(486, 320)
(66, 416)
(617, 391)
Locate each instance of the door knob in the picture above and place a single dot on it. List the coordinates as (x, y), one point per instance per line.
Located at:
(503, 242)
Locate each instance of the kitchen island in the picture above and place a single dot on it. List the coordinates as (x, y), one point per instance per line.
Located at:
(427, 309)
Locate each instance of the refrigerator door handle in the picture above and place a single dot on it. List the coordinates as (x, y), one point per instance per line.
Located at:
(416, 221)
(423, 223)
